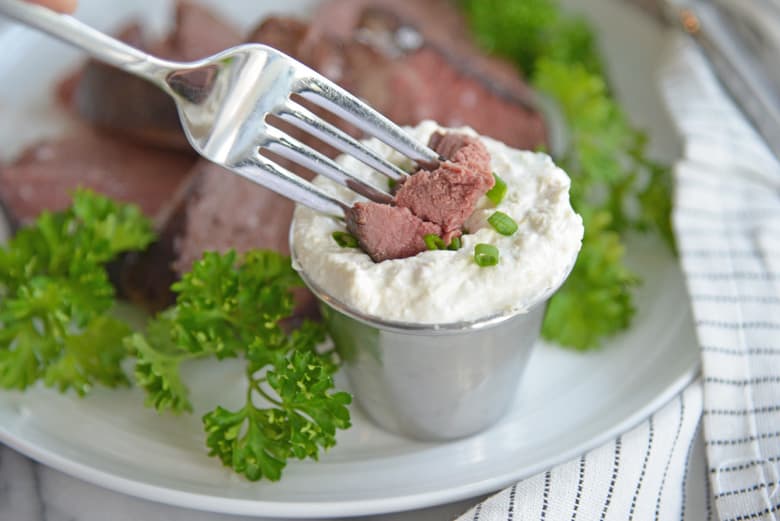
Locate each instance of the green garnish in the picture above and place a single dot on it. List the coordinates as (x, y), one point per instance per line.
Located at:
(56, 299)
(230, 307)
(455, 244)
(346, 240)
(595, 301)
(606, 157)
(434, 242)
(56, 326)
(502, 223)
(485, 255)
(497, 193)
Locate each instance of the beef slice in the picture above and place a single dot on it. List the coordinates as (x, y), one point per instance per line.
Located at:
(128, 105)
(448, 195)
(46, 174)
(388, 232)
(225, 211)
(416, 60)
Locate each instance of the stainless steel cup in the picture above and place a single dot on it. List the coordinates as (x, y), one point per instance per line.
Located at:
(432, 382)
(438, 381)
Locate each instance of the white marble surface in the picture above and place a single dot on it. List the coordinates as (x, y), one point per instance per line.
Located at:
(33, 492)
(30, 491)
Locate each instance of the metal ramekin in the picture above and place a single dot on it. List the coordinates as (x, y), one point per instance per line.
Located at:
(438, 381)
(432, 381)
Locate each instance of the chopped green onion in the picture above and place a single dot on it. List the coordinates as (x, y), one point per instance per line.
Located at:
(391, 184)
(503, 224)
(455, 244)
(434, 242)
(345, 240)
(497, 193)
(485, 255)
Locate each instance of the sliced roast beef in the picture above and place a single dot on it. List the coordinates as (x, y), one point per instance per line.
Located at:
(447, 195)
(226, 211)
(223, 211)
(284, 34)
(415, 60)
(198, 33)
(215, 210)
(128, 105)
(145, 278)
(44, 176)
(388, 232)
(125, 104)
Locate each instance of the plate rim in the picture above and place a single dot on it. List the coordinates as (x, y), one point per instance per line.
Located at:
(320, 509)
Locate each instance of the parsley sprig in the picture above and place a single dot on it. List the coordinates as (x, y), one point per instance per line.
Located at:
(56, 298)
(228, 307)
(56, 326)
(616, 187)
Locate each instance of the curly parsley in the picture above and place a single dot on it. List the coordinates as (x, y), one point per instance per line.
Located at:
(56, 298)
(227, 307)
(56, 326)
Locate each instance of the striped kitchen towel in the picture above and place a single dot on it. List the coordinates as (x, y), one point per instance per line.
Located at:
(641, 475)
(727, 222)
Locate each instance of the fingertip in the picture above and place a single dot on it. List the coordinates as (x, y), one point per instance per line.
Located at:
(63, 6)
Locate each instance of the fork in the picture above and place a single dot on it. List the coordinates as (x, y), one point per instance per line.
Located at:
(224, 102)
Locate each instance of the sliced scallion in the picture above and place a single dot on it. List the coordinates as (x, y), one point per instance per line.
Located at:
(502, 223)
(485, 255)
(497, 193)
(345, 240)
(455, 244)
(434, 242)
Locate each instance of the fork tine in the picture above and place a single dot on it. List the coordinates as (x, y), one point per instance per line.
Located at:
(337, 100)
(265, 172)
(301, 117)
(290, 148)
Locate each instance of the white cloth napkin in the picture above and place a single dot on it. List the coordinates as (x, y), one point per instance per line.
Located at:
(727, 223)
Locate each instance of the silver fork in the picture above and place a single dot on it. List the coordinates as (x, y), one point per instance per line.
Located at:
(224, 102)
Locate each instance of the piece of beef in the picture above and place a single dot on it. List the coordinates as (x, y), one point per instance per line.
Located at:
(403, 25)
(215, 210)
(462, 149)
(145, 278)
(225, 211)
(283, 34)
(374, 49)
(128, 105)
(396, 55)
(428, 202)
(388, 232)
(447, 195)
(45, 175)
(198, 33)
(125, 104)
(286, 35)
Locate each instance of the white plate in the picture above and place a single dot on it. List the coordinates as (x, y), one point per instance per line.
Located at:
(567, 403)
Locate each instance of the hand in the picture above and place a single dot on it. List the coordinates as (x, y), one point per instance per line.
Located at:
(63, 6)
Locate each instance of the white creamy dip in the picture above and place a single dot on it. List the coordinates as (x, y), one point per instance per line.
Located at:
(436, 287)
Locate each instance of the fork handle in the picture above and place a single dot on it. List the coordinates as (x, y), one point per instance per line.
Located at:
(97, 44)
